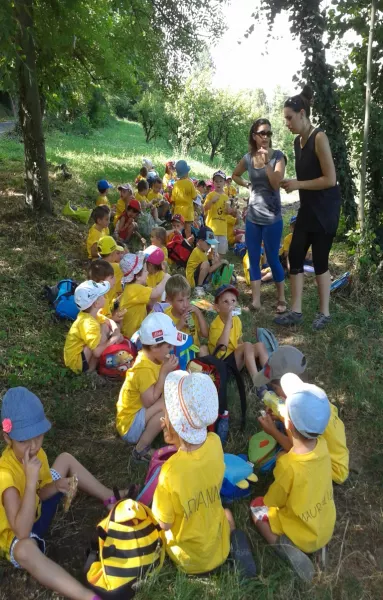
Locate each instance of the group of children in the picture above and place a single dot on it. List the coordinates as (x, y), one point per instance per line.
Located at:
(296, 516)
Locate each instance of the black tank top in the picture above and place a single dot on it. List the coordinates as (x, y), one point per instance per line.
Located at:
(319, 209)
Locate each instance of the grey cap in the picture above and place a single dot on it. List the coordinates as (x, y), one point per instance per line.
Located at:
(286, 359)
(24, 415)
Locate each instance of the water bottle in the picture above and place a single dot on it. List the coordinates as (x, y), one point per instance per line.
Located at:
(222, 427)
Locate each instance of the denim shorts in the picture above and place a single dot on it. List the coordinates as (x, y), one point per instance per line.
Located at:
(136, 429)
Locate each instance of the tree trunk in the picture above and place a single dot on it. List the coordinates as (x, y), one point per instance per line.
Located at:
(36, 169)
(213, 151)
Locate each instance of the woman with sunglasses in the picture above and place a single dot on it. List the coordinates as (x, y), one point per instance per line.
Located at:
(318, 215)
(266, 169)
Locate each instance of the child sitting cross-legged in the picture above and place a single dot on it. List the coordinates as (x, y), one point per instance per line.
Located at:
(226, 330)
(101, 218)
(288, 359)
(203, 261)
(297, 515)
(136, 295)
(186, 317)
(30, 492)
(140, 404)
(91, 332)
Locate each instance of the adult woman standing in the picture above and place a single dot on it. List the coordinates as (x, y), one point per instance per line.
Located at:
(266, 169)
(318, 215)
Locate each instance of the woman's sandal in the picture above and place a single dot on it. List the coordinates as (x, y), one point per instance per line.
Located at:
(283, 304)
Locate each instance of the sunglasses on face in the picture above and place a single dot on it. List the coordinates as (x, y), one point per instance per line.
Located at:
(267, 134)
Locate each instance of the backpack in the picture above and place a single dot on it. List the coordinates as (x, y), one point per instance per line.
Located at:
(240, 249)
(130, 547)
(246, 267)
(78, 213)
(185, 353)
(159, 457)
(237, 478)
(223, 276)
(61, 299)
(179, 250)
(117, 359)
(268, 338)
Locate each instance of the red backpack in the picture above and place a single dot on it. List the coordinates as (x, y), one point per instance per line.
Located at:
(159, 457)
(179, 250)
(117, 359)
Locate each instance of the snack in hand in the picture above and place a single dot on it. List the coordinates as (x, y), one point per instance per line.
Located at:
(73, 485)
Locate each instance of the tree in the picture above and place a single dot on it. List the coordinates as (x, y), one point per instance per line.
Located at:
(150, 113)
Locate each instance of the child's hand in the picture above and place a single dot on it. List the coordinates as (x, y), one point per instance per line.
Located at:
(32, 466)
(268, 424)
(215, 198)
(170, 364)
(63, 485)
(194, 309)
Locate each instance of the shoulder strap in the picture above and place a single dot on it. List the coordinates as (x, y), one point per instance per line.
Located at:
(242, 393)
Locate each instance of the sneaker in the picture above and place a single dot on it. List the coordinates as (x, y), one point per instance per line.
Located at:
(289, 318)
(299, 561)
(320, 321)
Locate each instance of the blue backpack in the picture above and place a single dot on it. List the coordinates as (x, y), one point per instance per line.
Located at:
(268, 338)
(61, 299)
(186, 353)
(240, 249)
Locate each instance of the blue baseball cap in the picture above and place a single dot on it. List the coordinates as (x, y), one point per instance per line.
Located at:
(207, 235)
(293, 219)
(182, 168)
(307, 405)
(22, 415)
(103, 185)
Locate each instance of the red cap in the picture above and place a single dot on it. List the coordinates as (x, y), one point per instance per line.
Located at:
(179, 218)
(135, 205)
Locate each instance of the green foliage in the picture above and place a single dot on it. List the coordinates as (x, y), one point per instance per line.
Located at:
(149, 111)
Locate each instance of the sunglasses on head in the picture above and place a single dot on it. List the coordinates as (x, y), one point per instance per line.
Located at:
(268, 134)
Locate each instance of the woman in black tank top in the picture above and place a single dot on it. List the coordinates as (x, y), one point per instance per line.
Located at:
(318, 215)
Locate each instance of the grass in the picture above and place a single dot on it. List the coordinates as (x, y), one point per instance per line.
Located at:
(346, 359)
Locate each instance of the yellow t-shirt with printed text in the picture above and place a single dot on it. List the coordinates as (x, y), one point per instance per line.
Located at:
(114, 292)
(93, 237)
(196, 258)
(300, 500)
(183, 195)
(139, 378)
(194, 331)
(216, 217)
(154, 279)
(231, 221)
(134, 298)
(102, 200)
(84, 332)
(12, 475)
(335, 436)
(215, 332)
(188, 497)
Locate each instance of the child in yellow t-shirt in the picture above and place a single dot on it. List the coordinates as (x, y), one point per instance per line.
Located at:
(91, 332)
(156, 265)
(170, 173)
(158, 238)
(229, 188)
(30, 492)
(136, 295)
(186, 317)
(156, 198)
(187, 502)
(101, 218)
(140, 404)
(226, 330)
(283, 368)
(183, 195)
(232, 220)
(199, 266)
(297, 515)
(103, 187)
(215, 209)
(142, 175)
(126, 194)
(101, 270)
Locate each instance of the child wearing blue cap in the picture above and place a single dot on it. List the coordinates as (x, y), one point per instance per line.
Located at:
(30, 492)
(103, 187)
(183, 195)
(297, 515)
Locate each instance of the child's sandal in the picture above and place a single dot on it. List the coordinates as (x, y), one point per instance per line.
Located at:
(145, 456)
(132, 493)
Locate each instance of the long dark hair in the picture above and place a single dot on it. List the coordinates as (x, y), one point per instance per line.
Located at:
(253, 129)
(301, 101)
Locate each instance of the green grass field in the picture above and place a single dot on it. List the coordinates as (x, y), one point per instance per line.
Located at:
(346, 359)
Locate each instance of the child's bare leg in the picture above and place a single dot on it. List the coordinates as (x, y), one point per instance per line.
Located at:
(230, 518)
(154, 212)
(239, 354)
(152, 424)
(203, 351)
(203, 272)
(67, 465)
(264, 529)
(252, 354)
(91, 360)
(48, 573)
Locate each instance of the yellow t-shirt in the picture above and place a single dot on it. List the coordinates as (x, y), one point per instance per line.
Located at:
(216, 218)
(93, 237)
(135, 298)
(286, 244)
(165, 251)
(12, 475)
(335, 437)
(183, 195)
(167, 179)
(114, 291)
(101, 200)
(300, 500)
(154, 279)
(188, 497)
(141, 199)
(139, 378)
(194, 331)
(155, 198)
(215, 332)
(231, 221)
(85, 331)
(230, 190)
(120, 207)
(195, 259)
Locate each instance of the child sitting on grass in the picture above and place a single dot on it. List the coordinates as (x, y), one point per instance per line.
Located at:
(91, 332)
(170, 173)
(186, 317)
(101, 218)
(142, 175)
(156, 199)
(155, 263)
(103, 187)
(229, 188)
(226, 329)
(126, 194)
(297, 515)
(187, 502)
(136, 296)
(231, 220)
(183, 195)
(30, 492)
(200, 266)
(126, 226)
(215, 209)
(288, 359)
(101, 270)
(143, 198)
(158, 238)
(201, 189)
(140, 404)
